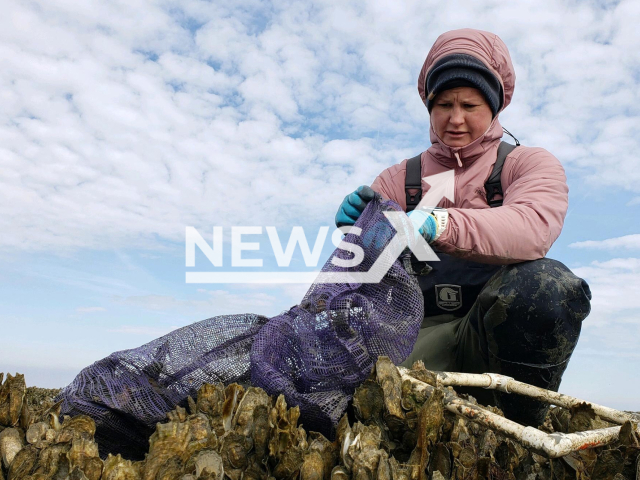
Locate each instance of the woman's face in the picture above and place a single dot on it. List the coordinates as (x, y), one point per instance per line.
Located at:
(460, 115)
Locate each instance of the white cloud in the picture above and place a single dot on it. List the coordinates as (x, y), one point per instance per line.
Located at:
(90, 309)
(633, 201)
(629, 242)
(615, 285)
(124, 122)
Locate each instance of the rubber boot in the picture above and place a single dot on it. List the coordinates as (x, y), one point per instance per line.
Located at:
(529, 317)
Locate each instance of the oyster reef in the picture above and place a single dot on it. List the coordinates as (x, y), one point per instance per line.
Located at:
(391, 431)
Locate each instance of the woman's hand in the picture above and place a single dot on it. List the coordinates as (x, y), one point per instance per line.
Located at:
(353, 205)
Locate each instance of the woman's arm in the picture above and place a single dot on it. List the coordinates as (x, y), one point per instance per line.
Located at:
(524, 228)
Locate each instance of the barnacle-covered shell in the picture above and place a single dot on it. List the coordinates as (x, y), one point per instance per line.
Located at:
(12, 393)
(10, 444)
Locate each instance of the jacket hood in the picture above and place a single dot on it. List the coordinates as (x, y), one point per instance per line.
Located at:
(485, 46)
(490, 50)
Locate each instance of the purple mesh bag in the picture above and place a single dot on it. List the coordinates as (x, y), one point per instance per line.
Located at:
(318, 352)
(315, 354)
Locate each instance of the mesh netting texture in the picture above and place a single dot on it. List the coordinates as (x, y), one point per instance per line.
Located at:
(316, 353)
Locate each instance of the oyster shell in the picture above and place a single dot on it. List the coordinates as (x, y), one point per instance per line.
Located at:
(233, 394)
(199, 427)
(312, 466)
(235, 454)
(10, 444)
(178, 414)
(23, 463)
(340, 473)
(430, 421)
(168, 441)
(116, 468)
(327, 450)
(77, 474)
(400, 471)
(78, 427)
(36, 432)
(609, 464)
(368, 401)
(245, 434)
(84, 456)
(170, 470)
(584, 418)
(384, 469)
(290, 463)
(209, 465)
(360, 451)
(389, 379)
(242, 422)
(284, 433)
(12, 393)
(210, 401)
(440, 461)
(53, 460)
(261, 430)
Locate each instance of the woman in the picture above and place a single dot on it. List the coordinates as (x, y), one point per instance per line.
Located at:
(493, 303)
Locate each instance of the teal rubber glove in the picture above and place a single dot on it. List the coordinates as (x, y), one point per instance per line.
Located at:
(353, 205)
(424, 223)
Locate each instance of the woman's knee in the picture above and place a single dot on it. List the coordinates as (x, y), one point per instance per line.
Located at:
(535, 306)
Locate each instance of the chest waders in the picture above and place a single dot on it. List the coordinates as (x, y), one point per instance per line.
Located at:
(521, 320)
(453, 284)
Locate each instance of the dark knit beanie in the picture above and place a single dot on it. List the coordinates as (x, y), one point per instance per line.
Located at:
(461, 70)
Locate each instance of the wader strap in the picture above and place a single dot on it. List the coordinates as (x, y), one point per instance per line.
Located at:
(413, 182)
(493, 186)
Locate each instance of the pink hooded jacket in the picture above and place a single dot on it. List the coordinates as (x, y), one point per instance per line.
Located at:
(533, 181)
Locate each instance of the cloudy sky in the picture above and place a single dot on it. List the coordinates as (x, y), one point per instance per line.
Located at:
(121, 123)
